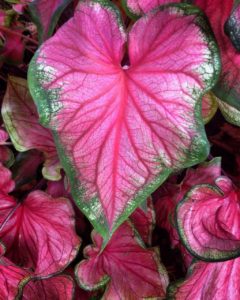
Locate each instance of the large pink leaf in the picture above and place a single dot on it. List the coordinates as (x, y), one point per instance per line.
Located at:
(21, 120)
(133, 272)
(208, 221)
(59, 287)
(209, 281)
(144, 221)
(45, 14)
(39, 232)
(218, 12)
(115, 125)
(139, 7)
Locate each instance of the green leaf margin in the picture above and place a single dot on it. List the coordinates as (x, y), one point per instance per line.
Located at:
(197, 152)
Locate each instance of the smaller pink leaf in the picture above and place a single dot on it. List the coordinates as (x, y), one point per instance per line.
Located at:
(144, 221)
(59, 287)
(21, 120)
(209, 281)
(208, 221)
(45, 14)
(12, 280)
(133, 272)
(40, 232)
(136, 8)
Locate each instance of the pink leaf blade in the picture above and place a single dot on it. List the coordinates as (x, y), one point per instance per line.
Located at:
(134, 272)
(39, 233)
(208, 221)
(208, 281)
(107, 181)
(45, 15)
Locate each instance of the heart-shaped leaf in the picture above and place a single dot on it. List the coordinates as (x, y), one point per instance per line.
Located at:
(59, 287)
(136, 8)
(209, 281)
(39, 233)
(115, 125)
(46, 14)
(208, 221)
(21, 120)
(132, 271)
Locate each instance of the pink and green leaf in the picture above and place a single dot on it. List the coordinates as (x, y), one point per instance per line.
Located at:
(45, 15)
(39, 233)
(129, 270)
(115, 125)
(21, 120)
(135, 8)
(209, 281)
(208, 221)
(221, 20)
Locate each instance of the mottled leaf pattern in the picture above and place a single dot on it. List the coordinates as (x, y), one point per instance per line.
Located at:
(132, 271)
(208, 221)
(114, 125)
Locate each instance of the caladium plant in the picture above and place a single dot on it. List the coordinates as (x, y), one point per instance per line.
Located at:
(114, 118)
(123, 99)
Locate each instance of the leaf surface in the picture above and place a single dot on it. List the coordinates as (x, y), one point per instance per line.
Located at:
(39, 233)
(21, 120)
(208, 221)
(115, 125)
(209, 281)
(132, 271)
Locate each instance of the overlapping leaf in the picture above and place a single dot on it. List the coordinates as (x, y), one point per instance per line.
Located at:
(223, 24)
(59, 287)
(39, 233)
(209, 281)
(168, 196)
(115, 125)
(46, 14)
(136, 8)
(12, 278)
(21, 120)
(208, 221)
(131, 271)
